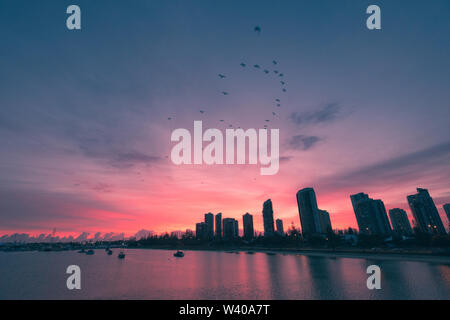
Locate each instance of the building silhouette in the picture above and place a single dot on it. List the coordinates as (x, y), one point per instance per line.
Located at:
(209, 221)
(230, 228)
(400, 222)
(247, 220)
(268, 218)
(325, 222)
(425, 212)
(218, 219)
(312, 219)
(189, 233)
(176, 234)
(446, 208)
(370, 215)
(236, 228)
(200, 231)
(279, 224)
(355, 198)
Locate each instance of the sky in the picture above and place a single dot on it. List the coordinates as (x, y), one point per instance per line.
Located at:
(84, 114)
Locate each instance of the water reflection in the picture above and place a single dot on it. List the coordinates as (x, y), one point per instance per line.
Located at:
(156, 274)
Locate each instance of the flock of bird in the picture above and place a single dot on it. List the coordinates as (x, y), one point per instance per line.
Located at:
(257, 29)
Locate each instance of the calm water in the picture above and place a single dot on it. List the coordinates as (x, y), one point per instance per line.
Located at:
(156, 274)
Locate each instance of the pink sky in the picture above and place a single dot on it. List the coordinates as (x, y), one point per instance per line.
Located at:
(85, 135)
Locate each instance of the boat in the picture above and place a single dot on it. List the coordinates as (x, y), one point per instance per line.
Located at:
(178, 254)
(90, 252)
(121, 255)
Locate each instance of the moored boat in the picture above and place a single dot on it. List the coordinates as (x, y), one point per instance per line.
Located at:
(178, 254)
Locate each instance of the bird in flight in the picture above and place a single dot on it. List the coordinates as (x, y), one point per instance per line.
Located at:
(274, 62)
(278, 105)
(221, 120)
(169, 118)
(275, 71)
(224, 93)
(202, 111)
(243, 65)
(281, 74)
(273, 113)
(257, 29)
(257, 66)
(283, 83)
(266, 71)
(284, 90)
(221, 76)
(277, 100)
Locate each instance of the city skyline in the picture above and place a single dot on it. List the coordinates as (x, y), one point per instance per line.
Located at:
(371, 215)
(86, 116)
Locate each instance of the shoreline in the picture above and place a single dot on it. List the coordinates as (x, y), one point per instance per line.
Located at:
(391, 256)
(417, 255)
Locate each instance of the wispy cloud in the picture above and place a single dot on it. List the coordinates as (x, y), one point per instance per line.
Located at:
(39, 210)
(284, 159)
(303, 142)
(114, 152)
(327, 113)
(432, 163)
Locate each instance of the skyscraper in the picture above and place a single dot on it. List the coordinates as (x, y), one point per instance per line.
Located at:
(425, 212)
(219, 225)
(200, 231)
(279, 224)
(325, 222)
(268, 218)
(247, 220)
(447, 212)
(209, 221)
(236, 228)
(308, 211)
(355, 198)
(382, 217)
(370, 215)
(229, 228)
(400, 222)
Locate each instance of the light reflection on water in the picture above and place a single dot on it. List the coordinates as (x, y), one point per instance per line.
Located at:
(156, 274)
